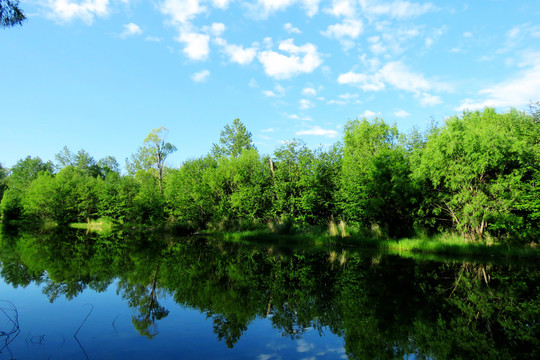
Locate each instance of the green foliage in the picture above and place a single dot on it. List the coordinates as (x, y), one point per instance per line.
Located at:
(3, 175)
(480, 173)
(375, 185)
(21, 176)
(10, 13)
(233, 140)
(152, 155)
(189, 196)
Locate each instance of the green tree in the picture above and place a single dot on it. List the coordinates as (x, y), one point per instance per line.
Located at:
(10, 13)
(481, 171)
(375, 177)
(3, 177)
(190, 198)
(152, 155)
(232, 140)
(22, 174)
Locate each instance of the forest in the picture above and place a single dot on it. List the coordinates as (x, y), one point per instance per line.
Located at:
(477, 175)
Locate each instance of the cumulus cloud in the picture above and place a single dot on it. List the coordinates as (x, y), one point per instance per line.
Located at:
(265, 8)
(131, 29)
(288, 27)
(368, 114)
(305, 104)
(297, 117)
(196, 45)
(518, 91)
(345, 8)
(309, 91)
(221, 4)
(278, 91)
(86, 10)
(396, 9)
(311, 7)
(402, 114)
(351, 28)
(201, 76)
(182, 11)
(429, 100)
(394, 73)
(237, 53)
(316, 131)
(300, 59)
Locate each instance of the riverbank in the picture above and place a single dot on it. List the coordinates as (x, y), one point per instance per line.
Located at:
(442, 244)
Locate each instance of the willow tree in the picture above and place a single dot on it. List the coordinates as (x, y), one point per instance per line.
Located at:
(152, 155)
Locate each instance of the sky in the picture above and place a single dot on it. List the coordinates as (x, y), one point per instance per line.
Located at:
(99, 75)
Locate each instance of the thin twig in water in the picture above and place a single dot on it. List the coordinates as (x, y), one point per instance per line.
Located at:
(92, 309)
(114, 326)
(8, 337)
(76, 332)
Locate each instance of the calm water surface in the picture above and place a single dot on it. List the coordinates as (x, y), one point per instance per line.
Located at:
(65, 294)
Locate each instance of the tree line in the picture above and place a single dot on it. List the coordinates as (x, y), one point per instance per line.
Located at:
(478, 174)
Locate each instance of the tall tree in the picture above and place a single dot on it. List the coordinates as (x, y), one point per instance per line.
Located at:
(10, 13)
(233, 140)
(481, 171)
(152, 155)
(3, 176)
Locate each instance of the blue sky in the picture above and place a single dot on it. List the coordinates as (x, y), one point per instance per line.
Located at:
(99, 75)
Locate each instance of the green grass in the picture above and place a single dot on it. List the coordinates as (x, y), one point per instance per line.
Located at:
(443, 244)
(99, 226)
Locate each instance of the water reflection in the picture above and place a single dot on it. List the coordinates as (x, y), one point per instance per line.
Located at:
(381, 306)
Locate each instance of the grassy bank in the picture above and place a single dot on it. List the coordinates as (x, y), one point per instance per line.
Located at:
(443, 244)
(99, 225)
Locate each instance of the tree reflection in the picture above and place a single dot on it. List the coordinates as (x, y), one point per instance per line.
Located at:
(383, 306)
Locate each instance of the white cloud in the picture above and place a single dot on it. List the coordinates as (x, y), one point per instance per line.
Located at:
(369, 114)
(196, 45)
(253, 83)
(305, 104)
(346, 8)
(402, 114)
(467, 34)
(67, 10)
(309, 91)
(152, 39)
(351, 28)
(237, 53)
(265, 8)
(221, 4)
(297, 117)
(395, 74)
(396, 9)
(301, 59)
(279, 91)
(317, 131)
(217, 29)
(429, 100)
(336, 102)
(201, 76)
(348, 96)
(518, 91)
(182, 11)
(363, 81)
(267, 130)
(130, 30)
(288, 27)
(311, 7)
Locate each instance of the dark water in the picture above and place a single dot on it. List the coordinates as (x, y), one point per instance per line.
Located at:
(68, 295)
